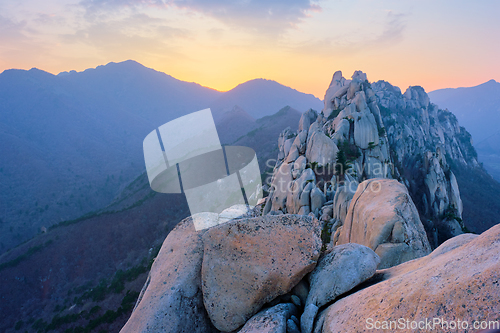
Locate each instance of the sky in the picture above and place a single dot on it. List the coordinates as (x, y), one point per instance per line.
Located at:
(299, 43)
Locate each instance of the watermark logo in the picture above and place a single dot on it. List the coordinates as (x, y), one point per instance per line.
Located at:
(185, 156)
(439, 324)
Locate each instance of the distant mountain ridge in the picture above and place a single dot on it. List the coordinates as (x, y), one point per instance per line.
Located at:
(478, 110)
(231, 124)
(472, 105)
(261, 97)
(71, 141)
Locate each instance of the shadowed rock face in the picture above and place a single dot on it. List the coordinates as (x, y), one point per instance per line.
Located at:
(171, 300)
(249, 262)
(383, 217)
(459, 280)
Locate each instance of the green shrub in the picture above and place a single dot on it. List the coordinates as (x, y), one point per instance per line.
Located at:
(334, 114)
(350, 150)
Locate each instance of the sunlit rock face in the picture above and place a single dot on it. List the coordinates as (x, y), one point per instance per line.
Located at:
(457, 281)
(383, 217)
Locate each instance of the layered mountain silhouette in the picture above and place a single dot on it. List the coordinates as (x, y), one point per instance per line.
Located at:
(71, 142)
(478, 110)
(72, 136)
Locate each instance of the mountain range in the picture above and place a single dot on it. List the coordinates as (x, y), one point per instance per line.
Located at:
(71, 142)
(74, 142)
(478, 110)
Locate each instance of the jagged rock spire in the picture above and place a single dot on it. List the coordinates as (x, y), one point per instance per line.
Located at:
(383, 134)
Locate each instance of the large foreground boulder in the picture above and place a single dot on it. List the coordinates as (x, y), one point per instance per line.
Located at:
(459, 281)
(171, 300)
(249, 262)
(383, 217)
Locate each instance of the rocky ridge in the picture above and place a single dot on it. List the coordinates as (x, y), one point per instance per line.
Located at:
(379, 133)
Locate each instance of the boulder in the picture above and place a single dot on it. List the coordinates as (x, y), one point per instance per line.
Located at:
(321, 148)
(341, 131)
(172, 300)
(268, 204)
(383, 217)
(300, 142)
(458, 281)
(365, 131)
(291, 326)
(249, 262)
(299, 166)
(307, 119)
(304, 210)
(305, 195)
(436, 184)
(270, 320)
(317, 200)
(292, 155)
(299, 192)
(327, 213)
(287, 145)
(307, 318)
(284, 135)
(354, 87)
(339, 271)
(318, 323)
(342, 200)
(282, 180)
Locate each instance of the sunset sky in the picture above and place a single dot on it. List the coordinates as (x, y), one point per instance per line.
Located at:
(299, 43)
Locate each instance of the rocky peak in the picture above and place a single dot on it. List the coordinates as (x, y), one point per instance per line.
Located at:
(359, 76)
(377, 132)
(416, 97)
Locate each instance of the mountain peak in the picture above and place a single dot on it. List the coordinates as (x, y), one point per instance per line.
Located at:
(123, 66)
(127, 64)
(490, 83)
(262, 97)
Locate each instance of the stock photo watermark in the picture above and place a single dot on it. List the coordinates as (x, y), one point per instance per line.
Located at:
(430, 324)
(186, 156)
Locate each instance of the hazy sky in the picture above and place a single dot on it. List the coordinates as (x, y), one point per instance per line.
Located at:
(299, 43)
